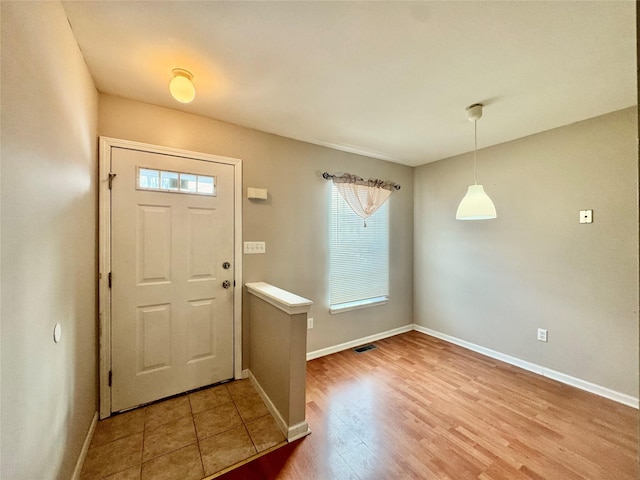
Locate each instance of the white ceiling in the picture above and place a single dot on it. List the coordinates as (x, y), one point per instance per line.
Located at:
(389, 80)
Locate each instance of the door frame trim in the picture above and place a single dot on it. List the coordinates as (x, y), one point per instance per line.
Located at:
(104, 254)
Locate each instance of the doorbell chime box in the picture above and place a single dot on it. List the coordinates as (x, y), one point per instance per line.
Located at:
(256, 193)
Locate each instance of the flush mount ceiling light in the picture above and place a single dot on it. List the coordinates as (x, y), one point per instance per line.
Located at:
(476, 204)
(181, 87)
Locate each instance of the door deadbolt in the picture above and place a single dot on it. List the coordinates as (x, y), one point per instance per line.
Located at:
(226, 265)
(226, 284)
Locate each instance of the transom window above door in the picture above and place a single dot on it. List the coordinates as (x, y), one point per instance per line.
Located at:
(175, 182)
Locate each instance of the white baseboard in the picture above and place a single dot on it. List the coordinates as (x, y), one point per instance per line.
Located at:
(540, 370)
(299, 430)
(85, 448)
(356, 343)
(290, 432)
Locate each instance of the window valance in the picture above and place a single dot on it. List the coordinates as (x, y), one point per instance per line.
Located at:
(364, 197)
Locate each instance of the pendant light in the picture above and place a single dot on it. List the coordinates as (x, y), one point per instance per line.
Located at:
(476, 204)
(181, 87)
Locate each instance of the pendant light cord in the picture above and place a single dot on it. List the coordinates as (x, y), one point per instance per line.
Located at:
(475, 150)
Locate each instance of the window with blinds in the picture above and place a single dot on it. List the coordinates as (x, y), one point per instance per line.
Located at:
(358, 256)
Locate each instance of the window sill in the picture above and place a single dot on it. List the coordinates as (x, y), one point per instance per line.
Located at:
(346, 307)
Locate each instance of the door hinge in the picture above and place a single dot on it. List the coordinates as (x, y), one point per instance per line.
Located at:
(109, 279)
(110, 377)
(111, 177)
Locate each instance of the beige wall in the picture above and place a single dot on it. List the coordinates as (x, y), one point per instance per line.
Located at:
(293, 221)
(493, 283)
(49, 202)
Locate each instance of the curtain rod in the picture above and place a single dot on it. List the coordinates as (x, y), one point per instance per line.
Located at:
(327, 176)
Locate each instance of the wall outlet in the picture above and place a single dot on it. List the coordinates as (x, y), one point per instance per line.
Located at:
(309, 323)
(542, 334)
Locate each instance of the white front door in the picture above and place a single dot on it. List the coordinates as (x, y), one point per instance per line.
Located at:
(172, 253)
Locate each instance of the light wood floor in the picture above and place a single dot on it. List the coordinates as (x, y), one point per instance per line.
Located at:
(418, 407)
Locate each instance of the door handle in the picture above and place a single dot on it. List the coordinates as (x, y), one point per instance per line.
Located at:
(226, 284)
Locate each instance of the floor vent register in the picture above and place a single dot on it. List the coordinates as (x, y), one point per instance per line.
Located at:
(365, 348)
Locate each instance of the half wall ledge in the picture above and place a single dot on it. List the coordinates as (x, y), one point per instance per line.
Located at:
(288, 302)
(278, 354)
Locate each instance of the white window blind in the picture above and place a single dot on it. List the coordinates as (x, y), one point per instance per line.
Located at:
(358, 256)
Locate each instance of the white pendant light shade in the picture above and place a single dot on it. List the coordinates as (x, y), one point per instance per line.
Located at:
(476, 205)
(181, 87)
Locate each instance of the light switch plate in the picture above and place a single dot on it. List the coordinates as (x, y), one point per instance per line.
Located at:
(254, 247)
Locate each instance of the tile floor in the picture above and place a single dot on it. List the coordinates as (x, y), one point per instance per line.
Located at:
(189, 437)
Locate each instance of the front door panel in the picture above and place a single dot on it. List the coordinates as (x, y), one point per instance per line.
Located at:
(172, 318)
